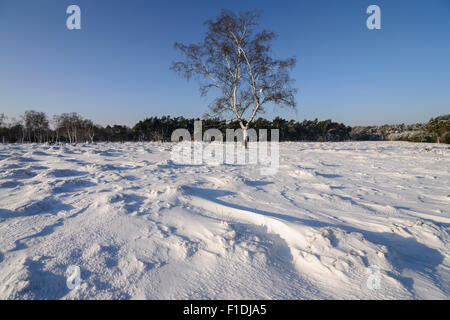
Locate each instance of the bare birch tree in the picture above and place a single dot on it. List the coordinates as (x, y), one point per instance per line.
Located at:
(2, 123)
(235, 58)
(74, 128)
(37, 126)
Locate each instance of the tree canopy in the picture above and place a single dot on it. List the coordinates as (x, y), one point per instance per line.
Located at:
(236, 59)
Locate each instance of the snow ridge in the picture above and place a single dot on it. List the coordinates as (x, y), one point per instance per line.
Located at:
(141, 227)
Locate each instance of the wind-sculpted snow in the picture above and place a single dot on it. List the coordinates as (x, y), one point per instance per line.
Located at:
(140, 226)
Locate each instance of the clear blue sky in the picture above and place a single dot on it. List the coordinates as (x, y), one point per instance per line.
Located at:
(116, 69)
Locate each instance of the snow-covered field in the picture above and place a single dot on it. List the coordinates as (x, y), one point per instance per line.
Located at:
(141, 227)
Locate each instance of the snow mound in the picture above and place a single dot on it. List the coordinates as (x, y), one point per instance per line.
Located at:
(365, 220)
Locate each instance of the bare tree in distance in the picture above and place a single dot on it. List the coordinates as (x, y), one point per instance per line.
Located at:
(74, 128)
(37, 126)
(2, 119)
(235, 58)
(2, 122)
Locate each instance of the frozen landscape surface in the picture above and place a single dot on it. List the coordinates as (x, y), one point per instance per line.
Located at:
(141, 227)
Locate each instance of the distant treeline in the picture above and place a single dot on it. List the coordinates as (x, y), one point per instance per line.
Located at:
(435, 130)
(36, 126)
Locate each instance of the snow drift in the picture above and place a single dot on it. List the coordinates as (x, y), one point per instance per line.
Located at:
(140, 227)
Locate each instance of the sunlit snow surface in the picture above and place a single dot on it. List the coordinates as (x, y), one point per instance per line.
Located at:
(141, 227)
